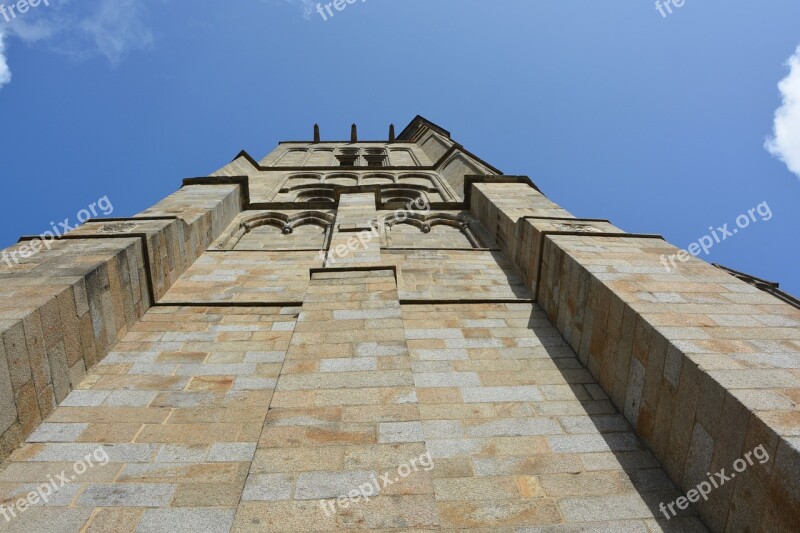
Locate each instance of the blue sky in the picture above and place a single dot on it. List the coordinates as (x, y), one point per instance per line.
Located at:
(657, 123)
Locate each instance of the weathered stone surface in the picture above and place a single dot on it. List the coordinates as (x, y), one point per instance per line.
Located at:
(404, 381)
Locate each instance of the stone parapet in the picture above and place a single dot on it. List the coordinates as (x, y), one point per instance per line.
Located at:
(68, 303)
(703, 365)
(63, 309)
(500, 203)
(206, 208)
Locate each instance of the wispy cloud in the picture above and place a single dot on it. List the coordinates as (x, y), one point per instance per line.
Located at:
(5, 72)
(785, 141)
(105, 28)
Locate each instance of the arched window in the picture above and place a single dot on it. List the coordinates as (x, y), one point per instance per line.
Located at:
(378, 179)
(296, 180)
(347, 180)
(309, 230)
(321, 194)
(433, 230)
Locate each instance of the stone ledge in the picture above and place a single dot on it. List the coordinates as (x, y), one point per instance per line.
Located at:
(58, 322)
(700, 393)
(703, 365)
(67, 305)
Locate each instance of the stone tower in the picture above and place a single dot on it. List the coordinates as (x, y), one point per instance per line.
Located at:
(388, 335)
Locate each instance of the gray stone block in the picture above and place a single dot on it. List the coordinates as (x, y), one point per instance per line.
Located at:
(127, 495)
(321, 485)
(267, 487)
(49, 519)
(186, 520)
(447, 379)
(8, 408)
(129, 398)
(348, 365)
(182, 453)
(117, 453)
(231, 452)
(514, 427)
(86, 398)
(49, 432)
(392, 432)
(528, 393)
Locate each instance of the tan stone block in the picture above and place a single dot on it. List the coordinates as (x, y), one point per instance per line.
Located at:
(26, 452)
(110, 415)
(585, 484)
(21, 471)
(189, 433)
(116, 292)
(250, 432)
(211, 383)
(59, 371)
(282, 516)
(34, 339)
(382, 457)
(289, 399)
(394, 363)
(207, 494)
(182, 357)
(299, 459)
(119, 432)
(456, 411)
(439, 395)
(69, 320)
(77, 374)
(500, 513)
(380, 413)
(28, 408)
(418, 482)
(140, 382)
(51, 324)
(319, 415)
(16, 355)
(197, 473)
(477, 488)
(330, 435)
(8, 409)
(47, 401)
(385, 512)
(328, 351)
(118, 520)
(336, 397)
(505, 446)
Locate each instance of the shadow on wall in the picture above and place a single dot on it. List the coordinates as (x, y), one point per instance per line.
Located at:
(610, 450)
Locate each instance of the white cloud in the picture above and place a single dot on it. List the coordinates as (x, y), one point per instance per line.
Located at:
(785, 141)
(117, 28)
(5, 72)
(105, 28)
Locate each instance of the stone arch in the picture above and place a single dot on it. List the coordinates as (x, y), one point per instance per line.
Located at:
(378, 178)
(421, 180)
(297, 180)
(426, 223)
(403, 193)
(343, 179)
(285, 224)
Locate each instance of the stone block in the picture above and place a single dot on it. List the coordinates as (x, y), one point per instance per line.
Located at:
(16, 355)
(8, 407)
(128, 495)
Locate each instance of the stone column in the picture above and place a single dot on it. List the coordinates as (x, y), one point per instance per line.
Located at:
(356, 236)
(339, 416)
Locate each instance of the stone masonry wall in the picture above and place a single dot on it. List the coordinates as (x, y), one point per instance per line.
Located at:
(65, 307)
(703, 365)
